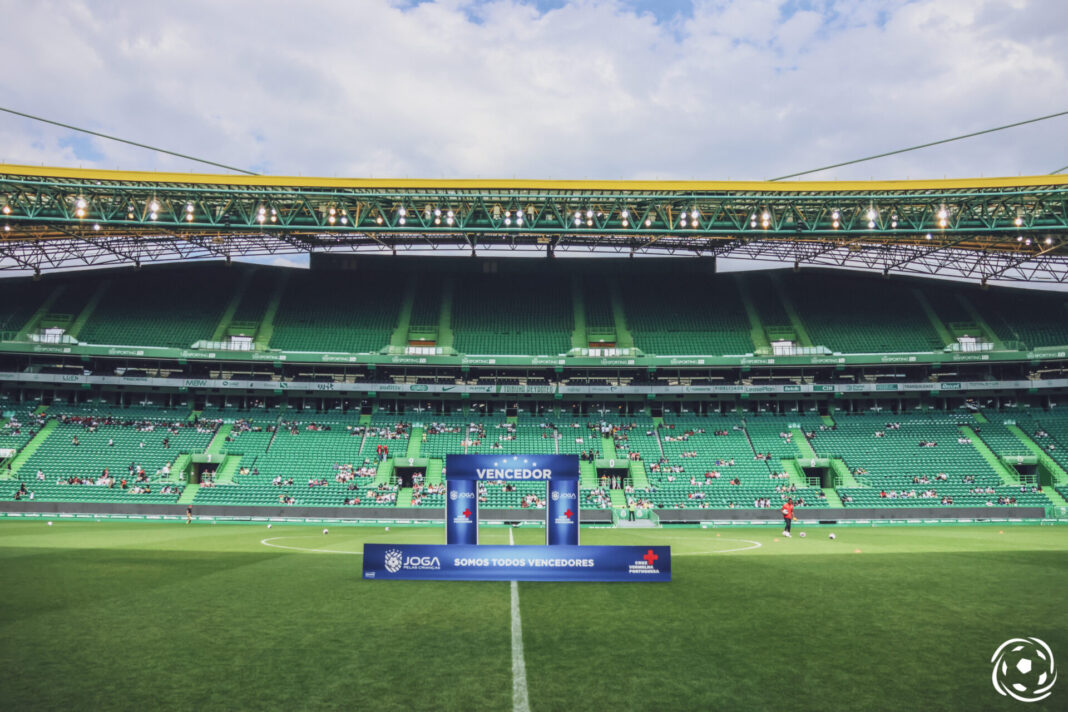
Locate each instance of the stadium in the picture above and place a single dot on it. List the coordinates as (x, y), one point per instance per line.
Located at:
(534, 355)
(921, 421)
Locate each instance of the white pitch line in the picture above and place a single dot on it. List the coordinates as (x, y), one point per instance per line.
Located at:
(520, 697)
(267, 542)
(755, 545)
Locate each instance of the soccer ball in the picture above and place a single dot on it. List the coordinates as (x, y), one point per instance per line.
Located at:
(326, 531)
(50, 524)
(268, 526)
(831, 536)
(387, 529)
(802, 535)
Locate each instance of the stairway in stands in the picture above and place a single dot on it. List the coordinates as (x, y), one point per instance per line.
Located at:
(991, 458)
(1060, 477)
(31, 447)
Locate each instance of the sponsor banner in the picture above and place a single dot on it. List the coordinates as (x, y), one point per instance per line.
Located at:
(562, 513)
(377, 358)
(524, 468)
(516, 563)
(368, 387)
(461, 512)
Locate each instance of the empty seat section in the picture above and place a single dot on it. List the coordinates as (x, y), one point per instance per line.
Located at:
(19, 299)
(160, 307)
(506, 314)
(1031, 317)
(839, 312)
(688, 315)
(426, 309)
(353, 312)
(597, 296)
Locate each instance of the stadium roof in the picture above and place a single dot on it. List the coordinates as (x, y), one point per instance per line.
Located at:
(977, 228)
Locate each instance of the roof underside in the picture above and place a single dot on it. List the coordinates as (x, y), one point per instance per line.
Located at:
(984, 229)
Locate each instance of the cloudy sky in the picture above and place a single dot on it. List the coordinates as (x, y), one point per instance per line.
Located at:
(708, 89)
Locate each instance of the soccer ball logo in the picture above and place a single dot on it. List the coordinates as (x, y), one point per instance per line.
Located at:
(453, 495)
(1023, 669)
(393, 560)
(555, 495)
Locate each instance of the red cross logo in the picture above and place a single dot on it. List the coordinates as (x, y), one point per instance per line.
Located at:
(467, 513)
(650, 557)
(568, 513)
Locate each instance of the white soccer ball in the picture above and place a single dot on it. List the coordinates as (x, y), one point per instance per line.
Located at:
(326, 531)
(387, 529)
(831, 536)
(802, 535)
(268, 526)
(50, 524)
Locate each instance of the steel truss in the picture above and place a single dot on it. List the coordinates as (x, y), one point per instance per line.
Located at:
(1015, 230)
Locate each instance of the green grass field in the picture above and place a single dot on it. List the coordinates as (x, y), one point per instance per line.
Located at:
(168, 616)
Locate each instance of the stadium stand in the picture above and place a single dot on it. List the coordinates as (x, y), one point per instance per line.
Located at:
(530, 312)
(426, 309)
(1032, 318)
(680, 317)
(597, 296)
(100, 453)
(304, 459)
(255, 299)
(496, 314)
(19, 300)
(687, 461)
(159, 308)
(839, 312)
(337, 311)
(752, 455)
(910, 460)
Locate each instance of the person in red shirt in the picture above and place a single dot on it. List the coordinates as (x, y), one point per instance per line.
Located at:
(788, 516)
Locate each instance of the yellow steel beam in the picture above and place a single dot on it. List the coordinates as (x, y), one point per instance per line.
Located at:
(537, 185)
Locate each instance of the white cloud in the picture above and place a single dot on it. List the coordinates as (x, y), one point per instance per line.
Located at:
(742, 88)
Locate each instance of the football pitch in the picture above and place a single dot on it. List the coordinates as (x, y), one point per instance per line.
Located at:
(109, 615)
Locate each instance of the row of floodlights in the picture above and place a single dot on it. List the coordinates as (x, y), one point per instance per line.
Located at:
(335, 216)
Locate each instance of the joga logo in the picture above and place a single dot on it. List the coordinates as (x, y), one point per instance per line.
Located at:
(395, 561)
